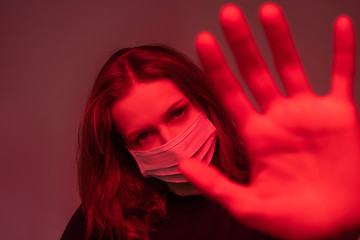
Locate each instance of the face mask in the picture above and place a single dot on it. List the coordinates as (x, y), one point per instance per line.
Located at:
(197, 141)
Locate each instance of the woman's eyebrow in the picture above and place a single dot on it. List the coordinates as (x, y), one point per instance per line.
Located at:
(172, 107)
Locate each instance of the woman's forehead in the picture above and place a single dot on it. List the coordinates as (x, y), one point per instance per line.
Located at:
(146, 102)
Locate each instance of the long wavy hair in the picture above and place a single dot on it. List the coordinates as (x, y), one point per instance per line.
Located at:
(118, 202)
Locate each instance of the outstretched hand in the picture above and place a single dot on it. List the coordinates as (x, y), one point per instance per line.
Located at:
(303, 148)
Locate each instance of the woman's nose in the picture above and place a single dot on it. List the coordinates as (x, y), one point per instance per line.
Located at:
(166, 133)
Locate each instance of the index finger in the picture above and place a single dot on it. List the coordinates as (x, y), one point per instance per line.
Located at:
(222, 81)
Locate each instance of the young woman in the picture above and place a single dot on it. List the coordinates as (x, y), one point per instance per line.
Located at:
(150, 108)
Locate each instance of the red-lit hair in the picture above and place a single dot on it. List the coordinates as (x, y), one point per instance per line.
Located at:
(117, 200)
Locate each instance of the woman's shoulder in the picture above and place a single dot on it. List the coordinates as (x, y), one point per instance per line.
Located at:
(197, 217)
(75, 229)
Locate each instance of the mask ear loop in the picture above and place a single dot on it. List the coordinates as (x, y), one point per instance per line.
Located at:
(207, 113)
(139, 163)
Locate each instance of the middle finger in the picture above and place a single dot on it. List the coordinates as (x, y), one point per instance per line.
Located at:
(249, 60)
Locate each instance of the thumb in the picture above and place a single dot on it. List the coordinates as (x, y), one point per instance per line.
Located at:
(233, 196)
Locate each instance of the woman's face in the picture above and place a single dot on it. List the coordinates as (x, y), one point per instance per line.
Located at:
(152, 114)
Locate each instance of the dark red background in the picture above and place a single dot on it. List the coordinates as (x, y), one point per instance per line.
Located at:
(50, 52)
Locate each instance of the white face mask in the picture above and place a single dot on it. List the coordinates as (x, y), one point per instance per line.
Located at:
(197, 141)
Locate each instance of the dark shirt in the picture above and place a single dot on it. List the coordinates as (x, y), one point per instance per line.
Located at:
(188, 218)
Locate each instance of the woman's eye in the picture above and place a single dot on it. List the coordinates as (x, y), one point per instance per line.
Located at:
(178, 112)
(142, 137)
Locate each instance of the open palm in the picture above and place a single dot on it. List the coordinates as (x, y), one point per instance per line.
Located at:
(303, 148)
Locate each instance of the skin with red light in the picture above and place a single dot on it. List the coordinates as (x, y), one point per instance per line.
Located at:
(303, 148)
(151, 114)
